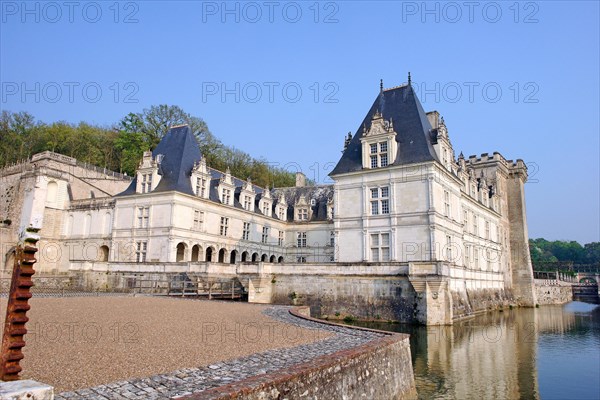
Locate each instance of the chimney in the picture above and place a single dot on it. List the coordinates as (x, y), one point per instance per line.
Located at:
(434, 119)
(300, 179)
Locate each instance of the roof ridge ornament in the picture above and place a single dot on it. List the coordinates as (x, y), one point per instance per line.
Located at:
(381, 86)
(409, 79)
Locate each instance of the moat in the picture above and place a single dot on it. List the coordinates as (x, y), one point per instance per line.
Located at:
(552, 352)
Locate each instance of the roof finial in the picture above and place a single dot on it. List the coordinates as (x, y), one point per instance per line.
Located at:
(409, 78)
(381, 86)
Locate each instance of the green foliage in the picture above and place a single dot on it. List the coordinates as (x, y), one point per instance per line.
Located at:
(544, 251)
(349, 319)
(120, 147)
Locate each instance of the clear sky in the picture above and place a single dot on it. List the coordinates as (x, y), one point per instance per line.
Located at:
(287, 80)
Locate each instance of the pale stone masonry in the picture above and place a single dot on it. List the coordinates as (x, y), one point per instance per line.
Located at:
(400, 196)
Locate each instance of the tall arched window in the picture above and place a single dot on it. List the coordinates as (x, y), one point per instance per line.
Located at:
(107, 224)
(87, 224)
(51, 193)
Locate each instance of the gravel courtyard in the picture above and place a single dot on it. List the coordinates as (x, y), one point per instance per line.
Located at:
(80, 342)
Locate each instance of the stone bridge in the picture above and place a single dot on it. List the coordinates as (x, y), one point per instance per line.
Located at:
(568, 282)
(587, 287)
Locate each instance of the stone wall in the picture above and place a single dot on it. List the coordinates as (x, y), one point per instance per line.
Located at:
(547, 294)
(470, 302)
(380, 369)
(364, 297)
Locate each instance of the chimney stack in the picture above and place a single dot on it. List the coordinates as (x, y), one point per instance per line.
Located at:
(300, 179)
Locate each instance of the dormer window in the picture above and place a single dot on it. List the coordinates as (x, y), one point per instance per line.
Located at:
(225, 188)
(379, 155)
(200, 179)
(266, 210)
(247, 203)
(146, 183)
(147, 173)
(377, 143)
(226, 196)
(303, 214)
(281, 213)
(200, 187)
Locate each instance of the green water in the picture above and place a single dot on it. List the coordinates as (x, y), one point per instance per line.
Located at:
(552, 352)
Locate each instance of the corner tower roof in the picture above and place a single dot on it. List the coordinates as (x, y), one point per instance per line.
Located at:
(410, 123)
(179, 150)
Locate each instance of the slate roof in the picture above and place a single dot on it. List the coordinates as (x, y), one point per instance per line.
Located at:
(320, 194)
(180, 150)
(410, 123)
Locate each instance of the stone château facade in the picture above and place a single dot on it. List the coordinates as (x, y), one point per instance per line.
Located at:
(400, 197)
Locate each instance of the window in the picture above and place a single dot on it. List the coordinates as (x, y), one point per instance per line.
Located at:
(301, 239)
(200, 187)
(146, 183)
(226, 196)
(224, 226)
(487, 229)
(476, 256)
(467, 255)
(143, 216)
(265, 234)
(380, 202)
(282, 213)
(266, 210)
(447, 204)
(488, 259)
(473, 190)
(303, 214)
(445, 157)
(380, 247)
(448, 248)
(332, 239)
(198, 220)
(246, 231)
(247, 203)
(379, 154)
(280, 241)
(475, 226)
(140, 251)
(301, 259)
(465, 219)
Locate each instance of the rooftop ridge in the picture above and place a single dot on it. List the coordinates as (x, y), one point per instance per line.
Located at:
(396, 87)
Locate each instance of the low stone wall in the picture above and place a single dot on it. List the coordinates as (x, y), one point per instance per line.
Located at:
(470, 302)
(547, 294)
(380, 369)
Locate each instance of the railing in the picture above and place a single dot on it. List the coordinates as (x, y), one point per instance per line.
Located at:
(179, 285)
(553, 278)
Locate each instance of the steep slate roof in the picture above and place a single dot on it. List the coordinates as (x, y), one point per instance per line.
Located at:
(410, 123)
(180, 150)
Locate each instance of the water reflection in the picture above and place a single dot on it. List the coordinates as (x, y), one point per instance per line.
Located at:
(552, 353)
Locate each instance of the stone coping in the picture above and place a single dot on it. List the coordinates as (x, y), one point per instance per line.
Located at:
(240, 390)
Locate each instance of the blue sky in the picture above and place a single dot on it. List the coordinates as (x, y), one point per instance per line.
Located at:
(287, 80)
